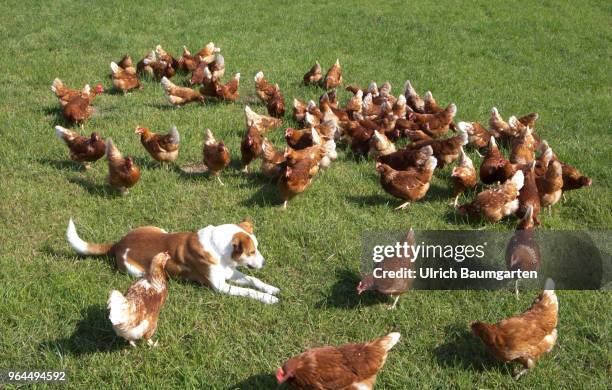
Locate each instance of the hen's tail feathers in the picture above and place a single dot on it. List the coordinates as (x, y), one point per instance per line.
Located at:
(259, 76)
(387, 342)
(409, 89)
(431, 163)
(465, 126)
(268, 150)
(513, 122)
(84, 248)
(112, 153)
(464, 136)
(57, 83)
(119, 308)
(316, 139)
(175, 137)
(401, 100)
(115, 68)
(465, 160)
(220, 61)
(62, 133)
(250, 115)
(167, 84)
(209, 138)
(518, 179)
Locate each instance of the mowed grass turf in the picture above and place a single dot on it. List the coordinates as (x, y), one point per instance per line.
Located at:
(553, 58)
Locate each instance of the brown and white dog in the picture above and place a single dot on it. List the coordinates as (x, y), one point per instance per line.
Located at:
(209, 256)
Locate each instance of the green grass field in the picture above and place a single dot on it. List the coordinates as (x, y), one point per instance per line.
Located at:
(551, 57)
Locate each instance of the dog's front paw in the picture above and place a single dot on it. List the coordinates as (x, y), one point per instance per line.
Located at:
(272, 290)
(270, 299)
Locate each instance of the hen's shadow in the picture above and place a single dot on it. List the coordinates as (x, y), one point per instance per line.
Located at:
(62, 165)
(465, 351)
(92, 334)
(259, 381)
(95, 189)
(264, 196)
(370, 200)
(344, 293)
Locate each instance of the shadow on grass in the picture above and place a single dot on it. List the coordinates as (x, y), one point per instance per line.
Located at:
(251, 100)
(465, 351)
(372, 200)
(102, 190)
(118, 92)
(55, 110)
(49, 250)
(92, 334)
(437, 192)
(344, 293)
(264, 196)
(259, 381)
(150, 164)
(62, 165)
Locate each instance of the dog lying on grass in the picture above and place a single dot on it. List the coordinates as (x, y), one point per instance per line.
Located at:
(209, 256)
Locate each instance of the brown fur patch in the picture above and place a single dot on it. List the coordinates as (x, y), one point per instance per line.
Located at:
(242, 245)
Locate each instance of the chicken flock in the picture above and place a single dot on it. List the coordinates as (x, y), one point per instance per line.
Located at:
(369, 124)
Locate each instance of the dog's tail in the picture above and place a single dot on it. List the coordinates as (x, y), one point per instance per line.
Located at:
(84, 248)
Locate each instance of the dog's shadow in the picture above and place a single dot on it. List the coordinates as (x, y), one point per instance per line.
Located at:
(344, 293)
(465, 351)
(259, 381)
(92, 334)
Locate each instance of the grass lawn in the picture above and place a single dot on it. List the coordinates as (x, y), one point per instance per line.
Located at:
(551, 57)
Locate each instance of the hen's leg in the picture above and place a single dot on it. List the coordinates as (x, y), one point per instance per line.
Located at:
(456, 202)
(392, 307)
(220, 182)
(402, 206)
(152, 344)
(284, 206)
(527, 364)
(519, 374)
(516, 290)
(133, 343)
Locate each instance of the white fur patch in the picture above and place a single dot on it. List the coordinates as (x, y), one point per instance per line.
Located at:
(217, 241)
(75, 241)
(130, 268)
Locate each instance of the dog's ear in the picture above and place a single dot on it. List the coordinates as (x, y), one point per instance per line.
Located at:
(247, 225)
(236, 247)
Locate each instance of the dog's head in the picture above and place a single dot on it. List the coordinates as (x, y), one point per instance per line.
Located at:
(244, 247)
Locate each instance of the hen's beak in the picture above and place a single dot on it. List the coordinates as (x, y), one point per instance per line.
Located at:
(280, 375)
(360, 289)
